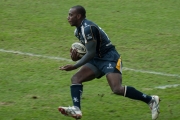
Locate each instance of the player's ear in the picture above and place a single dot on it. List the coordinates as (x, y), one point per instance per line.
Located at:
(79, 16)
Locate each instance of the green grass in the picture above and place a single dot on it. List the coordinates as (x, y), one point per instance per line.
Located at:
(145, 32)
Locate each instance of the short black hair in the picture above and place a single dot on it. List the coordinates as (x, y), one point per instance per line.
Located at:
(80, 9)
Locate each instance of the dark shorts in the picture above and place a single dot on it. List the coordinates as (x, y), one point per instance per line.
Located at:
(109, 63)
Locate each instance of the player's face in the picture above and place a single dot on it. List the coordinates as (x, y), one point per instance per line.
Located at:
(73, 17)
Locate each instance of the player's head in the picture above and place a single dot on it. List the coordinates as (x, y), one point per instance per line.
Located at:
(76, 15)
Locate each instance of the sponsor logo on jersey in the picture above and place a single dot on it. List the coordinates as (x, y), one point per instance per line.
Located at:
(89, 36)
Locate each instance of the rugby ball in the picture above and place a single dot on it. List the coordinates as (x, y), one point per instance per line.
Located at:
(81, 49)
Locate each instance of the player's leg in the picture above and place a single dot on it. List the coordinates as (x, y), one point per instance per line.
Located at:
(115, 82)
(114, 77)
(86, 73)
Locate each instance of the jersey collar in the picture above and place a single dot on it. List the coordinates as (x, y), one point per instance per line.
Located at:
(81, 23)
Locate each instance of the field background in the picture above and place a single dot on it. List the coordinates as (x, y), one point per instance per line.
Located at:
(35, 38)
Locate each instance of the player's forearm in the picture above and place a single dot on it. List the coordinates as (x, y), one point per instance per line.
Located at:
(91, 51)
(84, 59)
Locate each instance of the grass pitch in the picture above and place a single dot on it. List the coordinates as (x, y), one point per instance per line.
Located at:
(145, 32)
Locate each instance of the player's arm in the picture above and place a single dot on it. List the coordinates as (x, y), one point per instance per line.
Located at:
(90, 36)
(91, 51)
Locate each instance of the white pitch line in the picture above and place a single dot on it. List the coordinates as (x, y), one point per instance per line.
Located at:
(152, 72)
(68, 60)
(35, 55)
(168, 86)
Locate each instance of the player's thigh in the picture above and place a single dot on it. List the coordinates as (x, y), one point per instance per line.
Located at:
(114, 76)
(86, 73)
(115, 82)
(114, 79)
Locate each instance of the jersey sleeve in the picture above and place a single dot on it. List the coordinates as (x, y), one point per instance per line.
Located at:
(90, 33)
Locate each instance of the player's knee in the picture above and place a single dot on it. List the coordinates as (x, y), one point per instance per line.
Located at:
(75, 80)
(118, 90)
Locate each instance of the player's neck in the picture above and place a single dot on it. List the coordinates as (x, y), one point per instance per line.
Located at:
(80, 22)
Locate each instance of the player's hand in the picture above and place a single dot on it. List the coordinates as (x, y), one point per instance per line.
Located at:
(74, 54)
(67, 68)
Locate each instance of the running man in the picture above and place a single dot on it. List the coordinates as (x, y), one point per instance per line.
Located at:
(101, 59)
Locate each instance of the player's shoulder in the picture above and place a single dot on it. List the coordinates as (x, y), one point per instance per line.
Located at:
(87, 23)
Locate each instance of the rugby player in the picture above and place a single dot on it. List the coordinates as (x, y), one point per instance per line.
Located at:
(101, 59)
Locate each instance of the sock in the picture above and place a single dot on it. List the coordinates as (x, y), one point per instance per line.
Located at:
(132, 93)
(76, 92)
